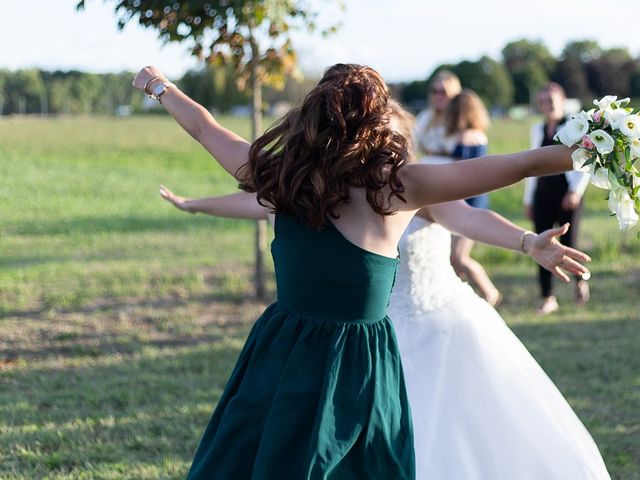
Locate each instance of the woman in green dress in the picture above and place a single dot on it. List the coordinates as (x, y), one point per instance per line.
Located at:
(318, 390)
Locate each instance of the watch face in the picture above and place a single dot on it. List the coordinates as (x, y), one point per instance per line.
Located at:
(158, 89)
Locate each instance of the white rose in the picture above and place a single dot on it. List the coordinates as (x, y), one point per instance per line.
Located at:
(600, 179)
(622, 205)
(605, 102)
(615, 117)
(630, 126)
(579, 157)
(573, 131)
(602, 140)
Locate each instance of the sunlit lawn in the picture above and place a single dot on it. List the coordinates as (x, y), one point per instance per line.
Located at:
(120, 317)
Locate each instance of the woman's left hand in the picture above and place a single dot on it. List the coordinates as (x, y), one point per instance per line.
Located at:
(142, 78)
(548, 252)
(179, 202)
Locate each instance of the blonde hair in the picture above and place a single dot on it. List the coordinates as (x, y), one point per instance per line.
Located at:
(452, 87)
(449, 80)
(466, 112)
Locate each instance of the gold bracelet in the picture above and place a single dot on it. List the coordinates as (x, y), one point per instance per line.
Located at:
(522, 237)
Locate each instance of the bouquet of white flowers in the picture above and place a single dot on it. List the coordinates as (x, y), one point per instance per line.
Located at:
(609, 141)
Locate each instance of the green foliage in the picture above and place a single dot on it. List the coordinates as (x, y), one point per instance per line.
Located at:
(583, 51)
(24, 90)
(572, 75)
(72, 92)
(254, 36)
(214, 87)
(530, 64)
(611, 73)
(489, 79)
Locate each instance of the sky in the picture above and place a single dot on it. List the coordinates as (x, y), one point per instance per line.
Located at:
(403, 39)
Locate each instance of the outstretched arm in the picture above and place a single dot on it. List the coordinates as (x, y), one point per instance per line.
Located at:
(491, 228)
(237, 205)
(228, 148)
(427, 184)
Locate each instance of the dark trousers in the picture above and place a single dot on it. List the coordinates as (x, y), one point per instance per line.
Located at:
(547, 213)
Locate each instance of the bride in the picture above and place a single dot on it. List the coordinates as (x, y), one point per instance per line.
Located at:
(482, 408)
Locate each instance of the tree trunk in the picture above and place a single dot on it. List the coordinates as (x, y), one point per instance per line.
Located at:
(261, 225)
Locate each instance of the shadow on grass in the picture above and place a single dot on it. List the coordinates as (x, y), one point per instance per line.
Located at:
(596, 365)
(119, 224)
(151, 400)
(102, 305)
(129, 410)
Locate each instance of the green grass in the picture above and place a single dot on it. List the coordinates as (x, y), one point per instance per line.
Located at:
(121, 317)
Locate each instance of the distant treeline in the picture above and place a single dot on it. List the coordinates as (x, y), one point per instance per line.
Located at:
(583, 68)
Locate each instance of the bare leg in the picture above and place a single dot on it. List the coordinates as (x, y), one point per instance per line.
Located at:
(467, 267)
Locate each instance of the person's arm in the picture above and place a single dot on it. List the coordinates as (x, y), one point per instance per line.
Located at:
(489, 227)
(228, 148)
(237, 205)
(427, 184)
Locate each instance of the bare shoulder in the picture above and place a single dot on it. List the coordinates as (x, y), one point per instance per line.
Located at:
(474, 137)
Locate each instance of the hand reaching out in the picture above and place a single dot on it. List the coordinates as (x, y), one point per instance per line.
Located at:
(143, 76)
(179, 202)
(548, 252)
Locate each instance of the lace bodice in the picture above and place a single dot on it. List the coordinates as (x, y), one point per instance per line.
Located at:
(425, 279)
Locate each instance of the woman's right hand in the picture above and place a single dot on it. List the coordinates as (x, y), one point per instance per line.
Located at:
(549, 253)
(179, 202)
(143, 76)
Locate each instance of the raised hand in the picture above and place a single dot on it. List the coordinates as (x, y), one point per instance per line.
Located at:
(142, 78)
(179, 202)
(548, 252)
(228, 148)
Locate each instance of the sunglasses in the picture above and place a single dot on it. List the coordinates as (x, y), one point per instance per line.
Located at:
(438, 91)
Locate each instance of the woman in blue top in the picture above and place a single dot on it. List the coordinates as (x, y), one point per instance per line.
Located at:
(466, 122)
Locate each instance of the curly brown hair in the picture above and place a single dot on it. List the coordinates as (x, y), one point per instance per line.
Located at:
(305, 164)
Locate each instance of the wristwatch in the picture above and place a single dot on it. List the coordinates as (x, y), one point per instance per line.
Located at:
(158, 90)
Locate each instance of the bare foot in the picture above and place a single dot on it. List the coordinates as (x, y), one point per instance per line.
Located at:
(549, 305)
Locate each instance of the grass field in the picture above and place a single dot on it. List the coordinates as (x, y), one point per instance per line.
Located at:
(121, 317)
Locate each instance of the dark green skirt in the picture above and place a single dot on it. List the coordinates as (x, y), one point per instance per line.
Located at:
(311, 398)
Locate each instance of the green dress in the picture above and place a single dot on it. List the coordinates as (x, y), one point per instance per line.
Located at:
(318, 390)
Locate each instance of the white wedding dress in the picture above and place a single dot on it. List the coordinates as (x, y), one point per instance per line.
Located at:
(482, 408)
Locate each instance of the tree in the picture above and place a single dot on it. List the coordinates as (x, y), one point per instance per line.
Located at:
(489, 79)
(214, 87)
(611, 73)
(583, 51)
(634, 81)
(25, 92)
(3, 78)
(252, 35)
(414, 94)
(530, 64)
(572, 75)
